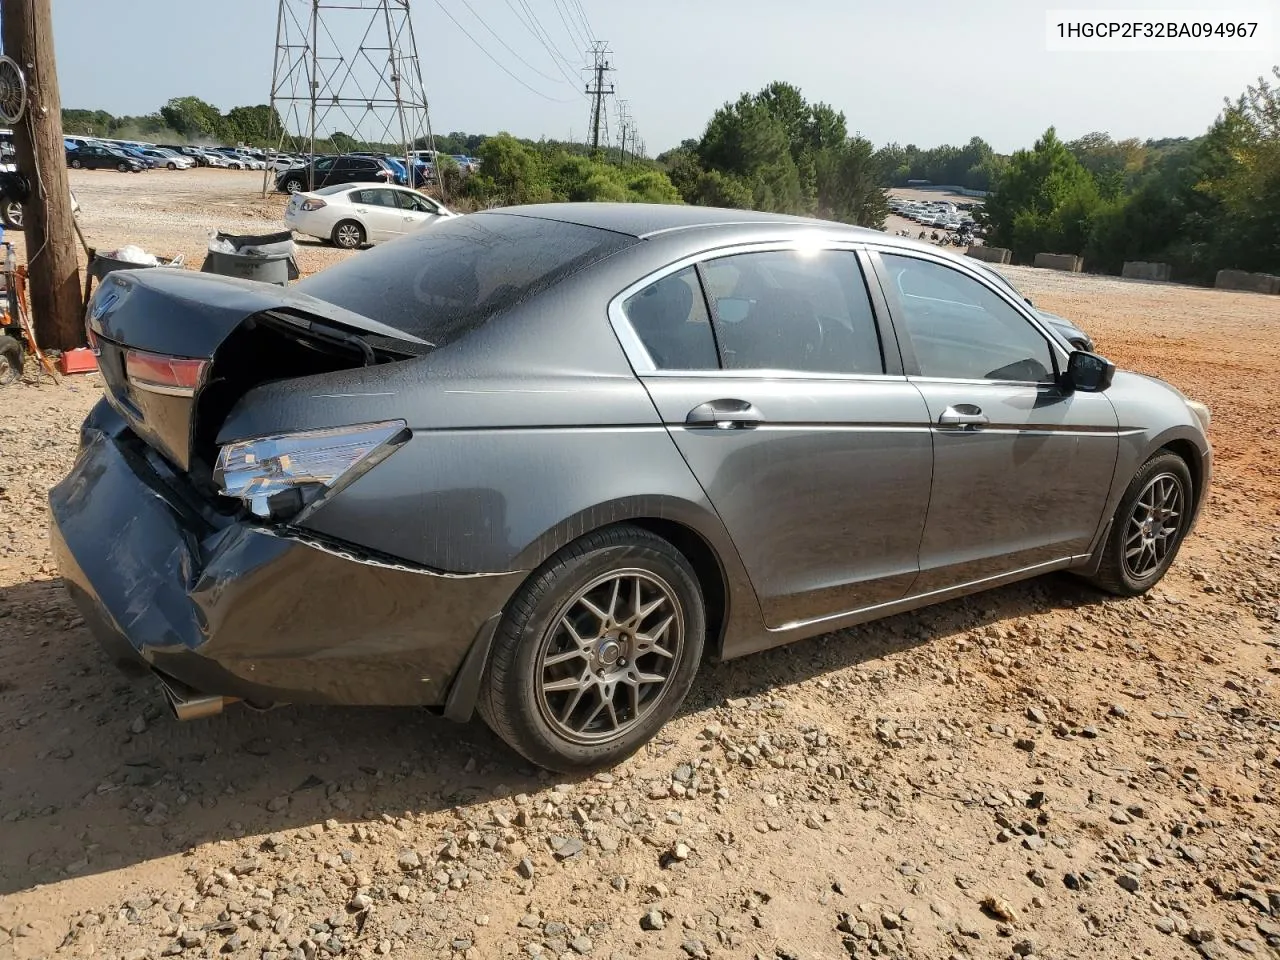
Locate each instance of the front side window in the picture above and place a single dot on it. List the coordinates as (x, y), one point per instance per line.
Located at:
(804, 311)
(670, 318)
(959, 329)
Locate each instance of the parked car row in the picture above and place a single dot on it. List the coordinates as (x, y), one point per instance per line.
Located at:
(134, 156)
(933, 213)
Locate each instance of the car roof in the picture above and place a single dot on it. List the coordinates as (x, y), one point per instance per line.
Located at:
(643, 220)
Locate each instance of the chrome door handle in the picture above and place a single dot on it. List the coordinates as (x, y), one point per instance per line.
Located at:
(724, 415)
(963, 415)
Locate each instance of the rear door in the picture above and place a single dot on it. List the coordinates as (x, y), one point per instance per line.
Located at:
(380, 212)
(767, 367)
(1022, 467)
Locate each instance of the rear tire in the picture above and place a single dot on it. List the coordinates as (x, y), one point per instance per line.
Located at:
(10, 360)
(11, 214)
(1148, 528)
(596, 651)
(348, 235)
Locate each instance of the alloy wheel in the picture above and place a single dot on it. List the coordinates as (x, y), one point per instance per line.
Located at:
(8, 372)
(1152, 529)
(609, 656)
(13, 213)
(349, 236)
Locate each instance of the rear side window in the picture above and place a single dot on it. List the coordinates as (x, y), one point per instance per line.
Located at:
(442, 283)
(800, 311)
(670, 318)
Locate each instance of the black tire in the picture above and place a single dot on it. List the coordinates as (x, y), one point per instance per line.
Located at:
(172, 165)
(11, 214)
(348, 235)
(76, 164)
(511, 700)
(122, 167)
(293, 185)
(1117, 573)
(10, 360)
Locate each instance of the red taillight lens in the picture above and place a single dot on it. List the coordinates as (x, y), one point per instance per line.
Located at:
(173, 376)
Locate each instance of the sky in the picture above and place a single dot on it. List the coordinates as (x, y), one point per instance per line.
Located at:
(926, 72)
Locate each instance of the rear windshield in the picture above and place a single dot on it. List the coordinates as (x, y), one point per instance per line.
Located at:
(450, 278)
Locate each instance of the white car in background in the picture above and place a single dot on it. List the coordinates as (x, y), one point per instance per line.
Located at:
(168, 158)
(349, 215)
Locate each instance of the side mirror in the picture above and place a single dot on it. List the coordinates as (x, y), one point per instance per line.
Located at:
(1088, 372)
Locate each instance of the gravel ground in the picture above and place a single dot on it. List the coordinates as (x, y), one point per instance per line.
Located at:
(1037, 771)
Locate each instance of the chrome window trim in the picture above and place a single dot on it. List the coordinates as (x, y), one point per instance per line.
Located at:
(642, 363)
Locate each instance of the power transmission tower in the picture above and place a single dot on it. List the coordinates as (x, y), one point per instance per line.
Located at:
(624, 130)
(347, 71)
(598, 90)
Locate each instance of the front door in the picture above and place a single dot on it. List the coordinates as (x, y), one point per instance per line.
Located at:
(1021, 467)
(815, 454)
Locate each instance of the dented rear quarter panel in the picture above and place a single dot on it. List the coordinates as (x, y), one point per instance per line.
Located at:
(526, 434)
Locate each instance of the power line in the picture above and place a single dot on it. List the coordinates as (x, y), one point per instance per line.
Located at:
(582, 15)
(552, 45)
(556, 58)
(504, 43)
(569, 29)
(495, 60)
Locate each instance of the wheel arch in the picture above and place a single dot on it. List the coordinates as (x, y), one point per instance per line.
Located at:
(1185, 442)
(730, 602)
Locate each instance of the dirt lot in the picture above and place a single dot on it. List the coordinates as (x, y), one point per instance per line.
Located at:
(1037, 771)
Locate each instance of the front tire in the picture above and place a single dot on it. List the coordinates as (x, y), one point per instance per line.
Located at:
(348, 235)
(76, 164)
(596, 651)
(1148, 528)
(293, 185)
(122, 167)
(11, 214)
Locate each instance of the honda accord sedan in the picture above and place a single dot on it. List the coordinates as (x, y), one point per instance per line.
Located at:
(540, 461)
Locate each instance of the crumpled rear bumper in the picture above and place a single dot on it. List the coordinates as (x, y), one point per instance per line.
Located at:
(237, 610)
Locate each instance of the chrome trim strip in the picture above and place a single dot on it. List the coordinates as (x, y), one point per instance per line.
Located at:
(931, 593)
(766, 373)
(163, 389)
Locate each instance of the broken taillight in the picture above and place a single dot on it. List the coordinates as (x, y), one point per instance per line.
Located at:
(171, 376)
(278, 476)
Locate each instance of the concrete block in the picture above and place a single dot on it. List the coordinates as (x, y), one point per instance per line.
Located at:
(1060, 261)
(1145, 270)
(1254, 282)
(990, 254)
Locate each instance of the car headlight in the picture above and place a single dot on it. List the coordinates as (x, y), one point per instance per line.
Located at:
(279, 477)
(1202, 413)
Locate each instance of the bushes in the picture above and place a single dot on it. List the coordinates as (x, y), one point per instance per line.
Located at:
(513, 172)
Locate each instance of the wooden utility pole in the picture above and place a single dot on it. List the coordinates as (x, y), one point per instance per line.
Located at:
(57, 308)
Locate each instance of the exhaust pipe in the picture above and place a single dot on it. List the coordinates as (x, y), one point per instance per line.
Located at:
(188, 704)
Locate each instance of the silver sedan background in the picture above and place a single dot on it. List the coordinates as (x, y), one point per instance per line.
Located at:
(541, 460)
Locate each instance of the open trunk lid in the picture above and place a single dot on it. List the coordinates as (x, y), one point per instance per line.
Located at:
(177, 349)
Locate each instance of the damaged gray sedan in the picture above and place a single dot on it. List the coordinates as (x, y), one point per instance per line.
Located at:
(540, 461)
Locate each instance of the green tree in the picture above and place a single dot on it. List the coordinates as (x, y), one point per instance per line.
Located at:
(192, 118)
(849, 186)
(1043, 201)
